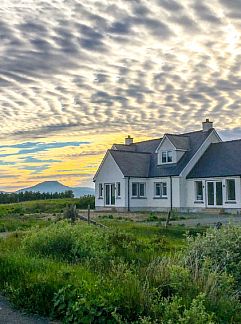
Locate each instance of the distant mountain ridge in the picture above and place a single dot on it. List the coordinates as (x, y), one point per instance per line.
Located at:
(56, 186)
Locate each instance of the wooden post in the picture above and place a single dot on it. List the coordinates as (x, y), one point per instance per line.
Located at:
(168, 218)
(88, 214)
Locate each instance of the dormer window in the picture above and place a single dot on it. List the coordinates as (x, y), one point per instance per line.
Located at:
(167, 157)
(172, 148)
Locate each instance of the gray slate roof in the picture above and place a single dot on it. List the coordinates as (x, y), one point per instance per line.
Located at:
(148, 146)
(180, 142)
(220, 159)
(132, 164)
(140, 159)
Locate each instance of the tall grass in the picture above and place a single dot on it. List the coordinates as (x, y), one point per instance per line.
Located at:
(85, 274)
(45, 206)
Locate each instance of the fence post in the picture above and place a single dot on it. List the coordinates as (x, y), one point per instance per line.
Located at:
(88, 214)
(168, 218)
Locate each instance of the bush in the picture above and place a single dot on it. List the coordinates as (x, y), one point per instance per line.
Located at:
(84, 201)
(219, 249)
(84, 273)
(174, 312)
(83, 242)
(67, 242)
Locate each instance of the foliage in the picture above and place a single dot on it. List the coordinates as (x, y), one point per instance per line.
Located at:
(65, 242)
(86, 201)
(127, 273)
(8, 198)
(70, 213)
(45, 206)
(10, 224)
(219, 249)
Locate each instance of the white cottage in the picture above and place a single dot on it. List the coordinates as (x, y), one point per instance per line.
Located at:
(194, 171)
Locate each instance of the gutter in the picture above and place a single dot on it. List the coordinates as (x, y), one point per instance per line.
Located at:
(128, 194)
(170, 211)
(171, 203)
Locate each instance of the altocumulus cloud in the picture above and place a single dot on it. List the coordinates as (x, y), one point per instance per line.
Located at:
(71, 68)
(35, 147)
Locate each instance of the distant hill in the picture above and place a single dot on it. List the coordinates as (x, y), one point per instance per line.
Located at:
(56, 186)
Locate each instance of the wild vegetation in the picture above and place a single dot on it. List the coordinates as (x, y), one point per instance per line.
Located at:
(45, 206)
(125, 273)
(8, 198)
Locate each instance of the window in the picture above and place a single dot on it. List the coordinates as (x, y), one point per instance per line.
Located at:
(100, 190)
(160, 189)
(118, 189)
(199, 190)
(167, 157)
(134, 189)
(230, 185)
(164, 189)
(138, 189)
(141, 189)
(164, 157)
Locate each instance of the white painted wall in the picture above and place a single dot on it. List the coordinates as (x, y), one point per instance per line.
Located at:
(191, 198)
(109, 172)
(150, 201)
(168, 146)
(183, 191)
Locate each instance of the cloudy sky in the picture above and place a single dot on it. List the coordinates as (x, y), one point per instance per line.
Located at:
(76, 76)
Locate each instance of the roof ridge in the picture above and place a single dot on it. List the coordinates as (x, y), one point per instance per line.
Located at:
(199, 131)
(128, 151)
(176, 135)
(229, 141)
(153, 139)
(149, 140)
(122, 144)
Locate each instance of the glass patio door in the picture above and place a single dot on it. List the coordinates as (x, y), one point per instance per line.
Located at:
(214, 193)
(110, 194)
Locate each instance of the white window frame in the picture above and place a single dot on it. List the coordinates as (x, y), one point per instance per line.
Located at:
(227, 193)
(197, 198)
(101, 190)
(118, 189)
(139, 195)
(165, 155)
(162, 184)
(134, 183)
(138, 184)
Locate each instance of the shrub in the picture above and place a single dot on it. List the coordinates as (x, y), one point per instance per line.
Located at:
(83, 242)
(219, 249)
(152, 218)
(84, 273)
(175, 312)
(83, 202)
(64, 241)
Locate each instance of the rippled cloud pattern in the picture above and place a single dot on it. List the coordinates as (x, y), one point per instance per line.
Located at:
(89, 72)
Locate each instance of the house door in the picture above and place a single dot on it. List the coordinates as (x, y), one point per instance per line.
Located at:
(110, 194)
(214, 193)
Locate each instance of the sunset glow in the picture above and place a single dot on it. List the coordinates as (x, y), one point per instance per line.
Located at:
(78, 76)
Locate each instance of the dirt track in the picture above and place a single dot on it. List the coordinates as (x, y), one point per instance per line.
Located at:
(9, 315)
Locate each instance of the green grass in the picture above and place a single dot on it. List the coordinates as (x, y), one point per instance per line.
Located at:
(36, 206)
(126, 273)
(173, 236)
(21, 223)
(44, 206)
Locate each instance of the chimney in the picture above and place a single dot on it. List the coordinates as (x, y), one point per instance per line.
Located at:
(207, 125)
(128, 140)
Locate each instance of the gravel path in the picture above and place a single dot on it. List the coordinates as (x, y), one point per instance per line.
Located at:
(9, 315)
(208, 220)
